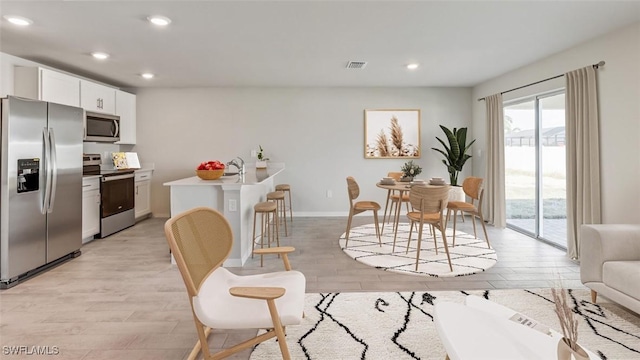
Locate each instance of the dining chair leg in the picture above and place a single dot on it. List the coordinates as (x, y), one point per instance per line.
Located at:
(432, 229)
(455, 213)
(277, 220)
(375, 220)
(411, 222)
(348, 227)
(446, 248)
(473, 220)
(386, 205)
(485, 229)
(419, 243)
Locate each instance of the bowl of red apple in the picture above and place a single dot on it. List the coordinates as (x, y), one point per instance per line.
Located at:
(210, 170)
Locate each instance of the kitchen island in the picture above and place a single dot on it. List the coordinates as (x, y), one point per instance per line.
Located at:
(234, 196)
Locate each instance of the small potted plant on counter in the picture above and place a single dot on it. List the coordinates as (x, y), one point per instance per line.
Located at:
(262, 161)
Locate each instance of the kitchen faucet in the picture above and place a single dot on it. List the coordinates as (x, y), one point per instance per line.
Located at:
(240, 166)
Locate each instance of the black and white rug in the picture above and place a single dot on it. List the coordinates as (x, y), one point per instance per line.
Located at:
(468, 256)
(394, 325)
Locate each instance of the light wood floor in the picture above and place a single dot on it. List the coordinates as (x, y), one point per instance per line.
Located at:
(123, 300)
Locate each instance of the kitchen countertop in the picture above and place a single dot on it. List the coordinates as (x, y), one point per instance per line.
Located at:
(251, 177)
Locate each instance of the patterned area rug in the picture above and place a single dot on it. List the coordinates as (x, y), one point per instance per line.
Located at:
(468, 256)
(400, 325)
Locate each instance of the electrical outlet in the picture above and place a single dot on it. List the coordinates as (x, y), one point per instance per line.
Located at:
(254, 153)
(233, 205)
(329, 193)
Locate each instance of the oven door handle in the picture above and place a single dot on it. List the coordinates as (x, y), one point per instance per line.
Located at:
(117, 177)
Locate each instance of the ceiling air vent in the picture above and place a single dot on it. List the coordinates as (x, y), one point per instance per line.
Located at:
(356, 64)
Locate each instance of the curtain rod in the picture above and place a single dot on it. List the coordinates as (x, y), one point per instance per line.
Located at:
(595, 66)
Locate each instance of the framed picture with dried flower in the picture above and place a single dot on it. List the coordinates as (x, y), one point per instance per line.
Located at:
(392, 134)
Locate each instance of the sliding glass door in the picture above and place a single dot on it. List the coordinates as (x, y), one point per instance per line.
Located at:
(535, 167)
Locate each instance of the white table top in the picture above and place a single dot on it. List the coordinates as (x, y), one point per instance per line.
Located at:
(468, 332)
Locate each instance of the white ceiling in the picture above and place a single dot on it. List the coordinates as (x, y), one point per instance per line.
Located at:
(304, 43)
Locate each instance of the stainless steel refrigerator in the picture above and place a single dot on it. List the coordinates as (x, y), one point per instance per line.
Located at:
(40, 188)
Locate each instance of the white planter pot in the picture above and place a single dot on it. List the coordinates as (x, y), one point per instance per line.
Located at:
(456, 194)
(261, 164)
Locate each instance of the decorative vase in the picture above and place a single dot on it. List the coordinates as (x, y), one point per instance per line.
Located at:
(565, 352)
(406, 178)
(261, 164)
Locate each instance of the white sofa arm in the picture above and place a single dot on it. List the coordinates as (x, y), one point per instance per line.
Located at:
(606, 242)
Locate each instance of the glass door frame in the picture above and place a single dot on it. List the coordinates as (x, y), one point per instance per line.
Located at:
(538, 202)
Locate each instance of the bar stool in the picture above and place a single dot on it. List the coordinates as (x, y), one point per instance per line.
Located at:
(287, 189)
(266, 209)
(278, 198)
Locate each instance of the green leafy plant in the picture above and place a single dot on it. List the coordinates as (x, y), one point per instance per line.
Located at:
(261, 155)
(455, 154)
(409, 169)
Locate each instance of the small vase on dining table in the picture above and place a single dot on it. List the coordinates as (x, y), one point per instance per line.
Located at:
(565, 351)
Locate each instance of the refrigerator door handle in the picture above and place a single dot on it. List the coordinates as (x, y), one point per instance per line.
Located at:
(54, 170)
(47, 171)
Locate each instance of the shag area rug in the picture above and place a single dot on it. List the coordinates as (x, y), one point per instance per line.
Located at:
(400, 325)
(468, 256)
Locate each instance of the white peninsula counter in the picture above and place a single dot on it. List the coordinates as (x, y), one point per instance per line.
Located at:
(234, 196)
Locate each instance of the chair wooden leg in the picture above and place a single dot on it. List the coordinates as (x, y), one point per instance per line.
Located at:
(432, 229)
(203, 335)
(253, 239)
(455, 216)
(419, 243)
(375, 220)
(386, 205)
(409, 240)
(277, 327)
(290, 208)
(348, 228)
(277, 221)
(484, 228)
(473, 220)
(594, 295)
(446, 247)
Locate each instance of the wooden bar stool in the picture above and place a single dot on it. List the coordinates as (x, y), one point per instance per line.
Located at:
(278, 198)
(266, 210)
(287, 189)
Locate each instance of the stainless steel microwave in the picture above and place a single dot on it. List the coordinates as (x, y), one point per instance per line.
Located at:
(101, 127)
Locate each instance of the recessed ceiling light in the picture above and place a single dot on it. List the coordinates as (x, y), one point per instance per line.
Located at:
(147, 76)
(100, 55)
(159, 20)
(412, 66)
(18, 20)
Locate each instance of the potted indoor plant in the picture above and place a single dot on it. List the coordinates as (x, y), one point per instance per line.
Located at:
(455, 154)
(262, 161)
(410, 170)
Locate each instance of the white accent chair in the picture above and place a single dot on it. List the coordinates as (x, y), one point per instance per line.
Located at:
(201, 239)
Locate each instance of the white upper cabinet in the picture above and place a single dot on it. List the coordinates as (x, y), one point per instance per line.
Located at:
(46, 85)
(96, 97)
(126, 109)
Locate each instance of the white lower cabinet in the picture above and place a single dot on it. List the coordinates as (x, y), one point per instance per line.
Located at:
(143, 193)
(90, 208)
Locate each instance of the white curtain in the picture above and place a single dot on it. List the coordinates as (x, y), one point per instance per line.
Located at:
(495, 184)
(583, 155)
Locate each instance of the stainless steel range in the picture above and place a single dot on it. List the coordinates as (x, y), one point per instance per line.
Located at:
(117, 193)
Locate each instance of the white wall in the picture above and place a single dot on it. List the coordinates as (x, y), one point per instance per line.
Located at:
(619, 92)
(317, 132)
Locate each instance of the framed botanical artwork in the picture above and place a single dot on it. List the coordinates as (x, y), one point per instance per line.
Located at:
(392, 134)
